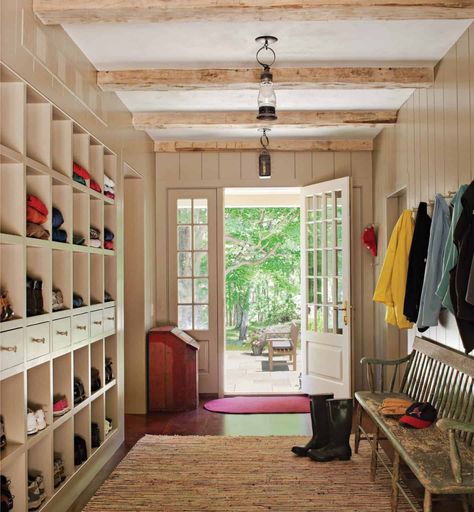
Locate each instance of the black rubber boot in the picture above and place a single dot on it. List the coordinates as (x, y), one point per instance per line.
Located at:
(320, 424)
(340, 426)
(38, 296)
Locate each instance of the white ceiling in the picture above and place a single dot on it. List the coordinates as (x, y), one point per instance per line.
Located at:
(224, 44)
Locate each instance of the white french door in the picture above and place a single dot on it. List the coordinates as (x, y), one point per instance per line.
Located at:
(325, 274)
(192, 217)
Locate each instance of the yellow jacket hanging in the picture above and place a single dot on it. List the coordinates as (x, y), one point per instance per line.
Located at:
(391, 286)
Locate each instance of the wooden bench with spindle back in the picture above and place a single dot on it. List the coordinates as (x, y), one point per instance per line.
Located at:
(442, 455)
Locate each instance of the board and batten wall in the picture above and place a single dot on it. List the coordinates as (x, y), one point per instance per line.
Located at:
(430, 150)
(218, 171)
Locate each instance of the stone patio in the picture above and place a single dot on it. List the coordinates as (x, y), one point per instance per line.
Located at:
(248, 374)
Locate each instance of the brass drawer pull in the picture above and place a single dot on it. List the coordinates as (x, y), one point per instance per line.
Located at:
(38, 340)
(62, 333)
(97, 322)
(110, 318)
(82, 327)
(9, 349)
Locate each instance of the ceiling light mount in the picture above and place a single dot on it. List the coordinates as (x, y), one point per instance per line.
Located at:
(266, 95)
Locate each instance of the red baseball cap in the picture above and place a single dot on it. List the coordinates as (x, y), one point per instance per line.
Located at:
(419, 415)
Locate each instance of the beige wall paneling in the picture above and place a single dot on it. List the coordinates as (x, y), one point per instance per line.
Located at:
(432, 143)
(289, 169)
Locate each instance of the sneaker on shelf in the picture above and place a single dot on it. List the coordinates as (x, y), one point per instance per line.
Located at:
(3, 437)
(95, 435)
(7, 497)
(34, 495)
(79, 391)
(31, 423)
(37, 476)
(40, 419)
(59, 472)
(107, 426)
(60, 405)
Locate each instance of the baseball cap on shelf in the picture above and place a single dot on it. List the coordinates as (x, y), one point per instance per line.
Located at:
(419, 415)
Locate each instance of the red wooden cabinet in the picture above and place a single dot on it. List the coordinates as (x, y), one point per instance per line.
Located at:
(172, 370)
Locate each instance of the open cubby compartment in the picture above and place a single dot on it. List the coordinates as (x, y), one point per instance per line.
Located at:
(110, 221)
(62, 379)
(12, 409)
(15, 472)
(81, 276)
(110, 276)
(13, 111)
(80, 148)
(97, 278)
(62, 143)
(62, 275)
(12, 197)
(38, 267)
(97, 218)
(39, 117)
(97, 359)
(96, 162)
(110, 165)
(82, 368)
(62, 201)
(39, 185)
(63, 447)
(111, 352)
(82, 427)
(12, 277)
(39, 390)
(111, 406)
(81, 223)
(98, 416)
(40, 461)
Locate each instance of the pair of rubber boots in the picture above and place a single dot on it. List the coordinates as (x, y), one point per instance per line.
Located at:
(332, 424)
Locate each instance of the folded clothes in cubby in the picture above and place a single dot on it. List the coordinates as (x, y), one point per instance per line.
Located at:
(59, 235)
(80, 171)
(110, 195)
(108, 235)
(58, 300)
(94, 233)
(95, 186)
(77, 300)
(36, 231)
(109, 245)
(57, 220)
(97, 244)
(79, 179)
(78, 239)
(35, 216)
(37, 204)
(108, 183)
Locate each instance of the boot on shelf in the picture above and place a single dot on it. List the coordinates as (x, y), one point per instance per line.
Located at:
(340, 425)
(319, 423)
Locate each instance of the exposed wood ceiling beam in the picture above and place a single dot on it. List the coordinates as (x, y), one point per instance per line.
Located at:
(247, 119)
(53, 12)
(275, 145)
(284, 78)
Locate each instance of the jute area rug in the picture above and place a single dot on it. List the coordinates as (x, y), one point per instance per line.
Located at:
(240, 474)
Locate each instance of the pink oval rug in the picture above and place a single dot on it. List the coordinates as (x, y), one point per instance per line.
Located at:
(259, 404)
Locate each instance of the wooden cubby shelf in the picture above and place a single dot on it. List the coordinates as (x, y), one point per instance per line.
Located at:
(41, 353)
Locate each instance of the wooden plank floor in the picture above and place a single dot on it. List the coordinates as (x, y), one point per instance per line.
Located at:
(202, 422)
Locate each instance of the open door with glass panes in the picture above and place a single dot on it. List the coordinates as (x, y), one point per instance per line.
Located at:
(192, 217)
(325, 273)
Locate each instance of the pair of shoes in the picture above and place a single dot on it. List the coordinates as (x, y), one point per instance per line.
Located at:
(60, 405)
(80, 450)
(6, 500)
(34, 297)
(59, 472)
(95, 435)
(109, 374)
(107, 426)
(331, 420)
(36, 421)
(79, 391)
(3, 437)
(6, 311)
(96, 383)
(36, 492)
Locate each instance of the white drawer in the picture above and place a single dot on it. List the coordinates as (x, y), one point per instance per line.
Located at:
(80, 327)
(37, 340)
(61, 333)
(12, 348)
(109, 319)
(97, 323)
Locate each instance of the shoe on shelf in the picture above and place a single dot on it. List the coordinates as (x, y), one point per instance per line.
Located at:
(37, 476)
(79, 391)
(6, 500)
(34, 495)
(80, 450)
(107, 426)
(59, 472)
(3, 437)
(31, 424)
(95, 435)
(40, 419)
(60, 405)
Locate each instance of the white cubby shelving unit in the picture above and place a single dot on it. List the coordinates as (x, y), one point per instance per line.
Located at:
(40, 355)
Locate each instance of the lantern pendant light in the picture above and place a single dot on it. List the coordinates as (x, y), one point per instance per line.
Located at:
(264, 161)
(266, 94)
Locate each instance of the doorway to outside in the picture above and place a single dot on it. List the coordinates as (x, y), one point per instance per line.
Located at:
(262, 290)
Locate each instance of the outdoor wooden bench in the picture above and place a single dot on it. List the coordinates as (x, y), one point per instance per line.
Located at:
(441, 456)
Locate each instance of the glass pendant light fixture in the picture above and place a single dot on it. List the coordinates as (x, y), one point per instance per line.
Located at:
(266, 94)
(264, 161)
